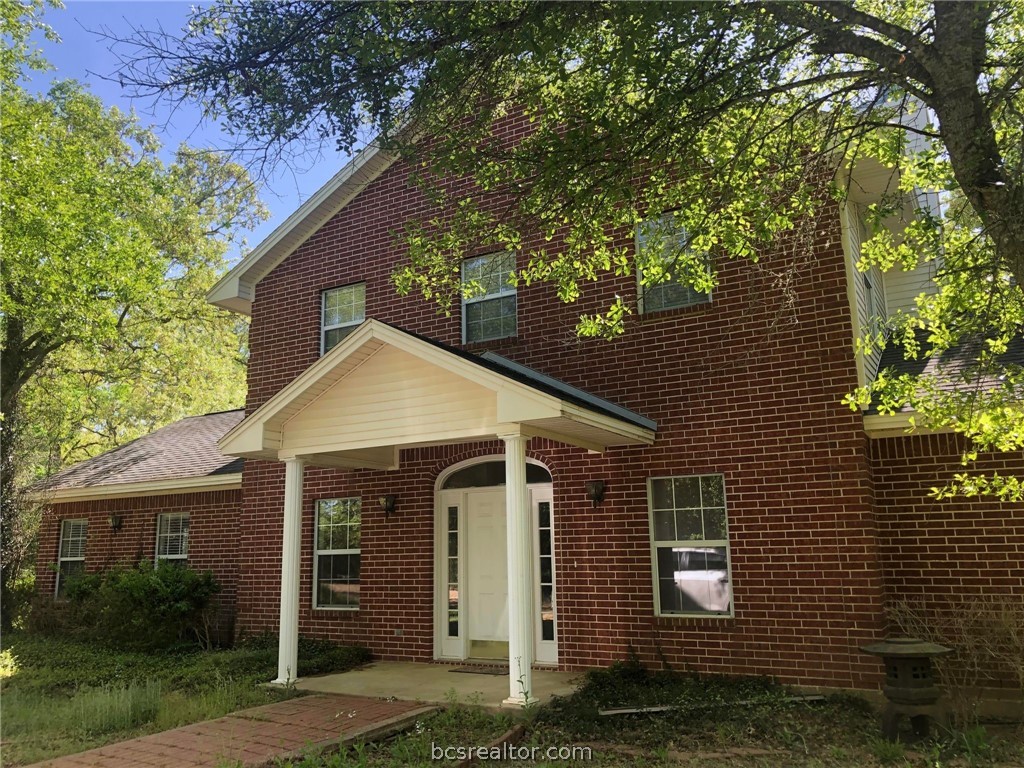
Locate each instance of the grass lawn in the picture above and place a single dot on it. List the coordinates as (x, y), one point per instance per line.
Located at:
(63, 696)
(746, 723)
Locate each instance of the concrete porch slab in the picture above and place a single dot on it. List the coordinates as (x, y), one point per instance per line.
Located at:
(434, 683)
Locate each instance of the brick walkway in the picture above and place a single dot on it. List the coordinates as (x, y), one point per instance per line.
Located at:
(254, 737)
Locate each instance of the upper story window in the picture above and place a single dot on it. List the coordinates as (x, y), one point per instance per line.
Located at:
(490, 312)
(344, 309)
(172, 537)
(666, 233)
(71, 556)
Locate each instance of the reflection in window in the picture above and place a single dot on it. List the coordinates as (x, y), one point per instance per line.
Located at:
(343, 310)
(338, 535)
(489, 312)
(453, 571)
(547, 577)
(666, 234)
(690, 545)
(71, 557)
(172, 537)
(491, 473)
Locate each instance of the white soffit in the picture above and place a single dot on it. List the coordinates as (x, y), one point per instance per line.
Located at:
(487, 403)
(235, 290)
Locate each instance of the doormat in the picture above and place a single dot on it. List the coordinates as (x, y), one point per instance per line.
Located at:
(472, 670)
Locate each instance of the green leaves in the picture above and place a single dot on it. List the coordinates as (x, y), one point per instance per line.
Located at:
(736, 116)
(108, 254)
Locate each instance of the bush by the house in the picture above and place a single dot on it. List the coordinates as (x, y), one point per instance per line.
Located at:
(136, 607)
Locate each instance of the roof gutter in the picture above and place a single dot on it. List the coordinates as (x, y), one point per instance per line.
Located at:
(202, 484)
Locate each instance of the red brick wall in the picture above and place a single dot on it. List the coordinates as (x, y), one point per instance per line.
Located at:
(213, 540)
(748, 386)
(943, 556)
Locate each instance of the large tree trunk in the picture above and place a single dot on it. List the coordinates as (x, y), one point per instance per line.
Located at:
(17, 522)
(968, 132)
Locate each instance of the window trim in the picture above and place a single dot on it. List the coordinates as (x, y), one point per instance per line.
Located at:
(656, 596)
(60, 548)
(324, 328)
(157, 557)
(505, 291)
(317, 552)
(641, 289)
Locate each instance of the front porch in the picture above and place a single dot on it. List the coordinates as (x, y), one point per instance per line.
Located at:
(382, 392)
(435, 684)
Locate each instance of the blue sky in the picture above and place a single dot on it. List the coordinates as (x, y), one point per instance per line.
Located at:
(85, 56)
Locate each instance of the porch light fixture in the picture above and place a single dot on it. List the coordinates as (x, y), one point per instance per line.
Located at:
(387, 504)
(116, 522)
(595, 491)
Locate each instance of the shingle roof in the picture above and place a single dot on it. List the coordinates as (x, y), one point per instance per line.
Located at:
(953, 370)
(186, 448)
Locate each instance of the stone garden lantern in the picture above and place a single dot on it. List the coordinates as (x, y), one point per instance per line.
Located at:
(910, 684)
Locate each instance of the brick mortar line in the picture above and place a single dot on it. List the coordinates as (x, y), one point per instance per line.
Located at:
(380, 729)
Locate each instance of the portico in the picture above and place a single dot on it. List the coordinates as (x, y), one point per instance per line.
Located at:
(382, 390)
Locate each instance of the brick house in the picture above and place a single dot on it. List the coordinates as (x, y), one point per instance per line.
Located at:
(489, 486)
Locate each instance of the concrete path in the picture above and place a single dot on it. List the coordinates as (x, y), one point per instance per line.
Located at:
(253, 737)
(436, 683)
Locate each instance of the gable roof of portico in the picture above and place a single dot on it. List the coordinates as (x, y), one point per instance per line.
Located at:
(383, 388)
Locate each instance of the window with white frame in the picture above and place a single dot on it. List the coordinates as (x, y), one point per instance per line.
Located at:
(337, 560)
(172, 537)
(667, 235)
(690, 546)
(343, 310)
(489, 312)
(71, 555)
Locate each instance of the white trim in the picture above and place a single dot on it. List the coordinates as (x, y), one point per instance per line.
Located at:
(315, 603)
(641, 289)
(60, 549)
(235, 290)
(503, 292)
(710, 542)
(849, 259)
(457, 648)
(449, 471)
(896, 425)
(324, 328)
(545, 652)
(157, 557)
(203, 484)
(260, 435)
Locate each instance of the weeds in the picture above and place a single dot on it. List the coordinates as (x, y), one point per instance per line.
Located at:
(886, 752)
(62, 696)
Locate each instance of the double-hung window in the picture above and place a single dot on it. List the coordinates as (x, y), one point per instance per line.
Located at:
(172, 537)
(338, 534)
(671, 265)
(690, 546)
(489, 297)
(71, 556)
(343, 309)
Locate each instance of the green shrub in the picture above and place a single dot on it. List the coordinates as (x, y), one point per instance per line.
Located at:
(142, 607)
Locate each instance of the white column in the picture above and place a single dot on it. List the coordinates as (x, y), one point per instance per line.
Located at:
(520, 572)
(288, 628)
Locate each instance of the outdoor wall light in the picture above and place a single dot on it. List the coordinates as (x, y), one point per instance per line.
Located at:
(116, 522)
(387, 503)
(595, 491)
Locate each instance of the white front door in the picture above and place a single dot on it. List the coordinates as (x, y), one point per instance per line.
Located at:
(486, 574)
(472, 574)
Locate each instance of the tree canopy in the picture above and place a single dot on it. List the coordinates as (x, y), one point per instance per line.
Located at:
(731, 114)
(108, 252)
